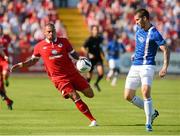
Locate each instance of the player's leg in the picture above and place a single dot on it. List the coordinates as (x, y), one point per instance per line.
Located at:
(5, 77)
(88, 92)
(109, 74)
(115, 76)
(147, 105)
(132, 83)
(100, 72)
(82, 107)
(80, 83)
(67, 89)
(3, 94)
(111, 69)
(116, 71)
(147, 73)
(5, 72)
(90, 73)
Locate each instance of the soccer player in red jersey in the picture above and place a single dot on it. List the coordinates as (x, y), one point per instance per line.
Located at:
(55, 53)
(4, 66)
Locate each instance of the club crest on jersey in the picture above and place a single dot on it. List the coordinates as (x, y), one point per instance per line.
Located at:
(141, 39)
(44, 47)
(60, 45)
(54, 52)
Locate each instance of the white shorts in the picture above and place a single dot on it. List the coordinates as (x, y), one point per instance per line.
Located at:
(114, 63)
(139, 74)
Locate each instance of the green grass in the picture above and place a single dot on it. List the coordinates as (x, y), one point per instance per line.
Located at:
(40, 110)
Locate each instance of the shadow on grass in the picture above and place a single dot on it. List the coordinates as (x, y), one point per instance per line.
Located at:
(113, 125)
(49, 110)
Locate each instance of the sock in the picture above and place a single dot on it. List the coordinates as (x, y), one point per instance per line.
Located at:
(148, 110)
(98, 79)
(110, 73)
(83, 108)
(140, 103)
(3, 95)
(114, 80)
(137, 101)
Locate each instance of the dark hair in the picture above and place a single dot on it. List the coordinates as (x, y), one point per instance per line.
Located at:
(142, 12)
(50, 25)
(95, 26)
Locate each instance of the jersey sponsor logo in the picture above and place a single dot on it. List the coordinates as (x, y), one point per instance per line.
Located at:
(60, 45)
(55, 57)
(54, 52)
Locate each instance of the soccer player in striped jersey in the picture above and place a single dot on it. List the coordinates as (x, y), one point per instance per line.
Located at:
(148, 40)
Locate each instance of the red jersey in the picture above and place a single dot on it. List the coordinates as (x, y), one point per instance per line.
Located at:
(56, 57)
(4, 42)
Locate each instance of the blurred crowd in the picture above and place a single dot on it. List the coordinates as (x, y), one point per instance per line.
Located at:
(23, 21)
(116, 17)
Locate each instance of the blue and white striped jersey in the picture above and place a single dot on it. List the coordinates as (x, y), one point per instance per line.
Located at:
(147, 44)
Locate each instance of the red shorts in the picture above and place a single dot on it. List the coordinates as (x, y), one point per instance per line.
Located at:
(4, 66)
(68, 84)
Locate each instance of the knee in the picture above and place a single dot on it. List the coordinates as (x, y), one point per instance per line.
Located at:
(146, 92)
(89, 93)
(74, 96)
(128, 98)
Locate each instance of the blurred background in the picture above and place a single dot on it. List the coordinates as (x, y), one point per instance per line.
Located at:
(23, 21)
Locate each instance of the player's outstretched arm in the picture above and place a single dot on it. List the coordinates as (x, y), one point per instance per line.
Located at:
(26, 63)
(166, 54)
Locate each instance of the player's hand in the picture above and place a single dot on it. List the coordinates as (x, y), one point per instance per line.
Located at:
(132, 57)
(162, 72)
(6, 58)
(16, 66)
(91, 56)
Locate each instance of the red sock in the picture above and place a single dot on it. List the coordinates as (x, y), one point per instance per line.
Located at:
(83, 108)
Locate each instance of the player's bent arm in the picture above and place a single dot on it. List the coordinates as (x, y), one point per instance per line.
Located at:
(166, 54)
(74, 54)
(26, 63)
(84, 50)
(2, 53)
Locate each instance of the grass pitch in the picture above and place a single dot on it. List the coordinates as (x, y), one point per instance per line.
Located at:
(39, 109)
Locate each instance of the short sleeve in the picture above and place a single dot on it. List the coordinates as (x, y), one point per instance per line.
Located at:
(69, 47)
(159, 39)
(36, 52)
(86, 43)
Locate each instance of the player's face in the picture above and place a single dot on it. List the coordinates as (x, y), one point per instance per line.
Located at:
(140, 20)
(50, 33)
(94, 31)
